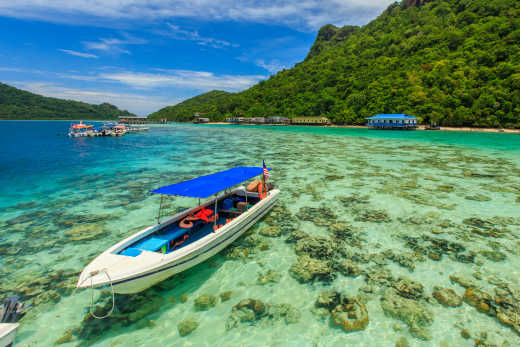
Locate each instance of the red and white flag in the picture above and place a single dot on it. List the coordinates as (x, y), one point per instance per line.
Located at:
(266, 172)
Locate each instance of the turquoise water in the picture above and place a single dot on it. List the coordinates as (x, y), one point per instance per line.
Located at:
(423, 205)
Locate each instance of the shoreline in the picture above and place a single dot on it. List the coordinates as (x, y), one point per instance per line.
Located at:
(420, 127)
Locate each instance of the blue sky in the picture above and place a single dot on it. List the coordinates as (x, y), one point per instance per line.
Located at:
(144, 55)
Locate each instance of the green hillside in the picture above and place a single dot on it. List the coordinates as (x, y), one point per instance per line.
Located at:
(208, 104)
(20, 104)
(455, 62)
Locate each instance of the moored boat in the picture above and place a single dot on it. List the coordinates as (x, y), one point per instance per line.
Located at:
(118, 130)
(7, 334)
(80, 130)
(187, 238)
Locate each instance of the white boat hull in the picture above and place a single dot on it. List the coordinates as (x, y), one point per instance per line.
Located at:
(7, 334)
(137, 274)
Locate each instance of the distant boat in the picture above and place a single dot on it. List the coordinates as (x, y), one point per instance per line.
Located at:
(187, 238)
(80, 130)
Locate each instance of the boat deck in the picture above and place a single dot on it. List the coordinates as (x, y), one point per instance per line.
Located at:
(173, 237)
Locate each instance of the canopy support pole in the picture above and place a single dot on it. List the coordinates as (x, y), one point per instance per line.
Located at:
(215, 215)
(160, 207)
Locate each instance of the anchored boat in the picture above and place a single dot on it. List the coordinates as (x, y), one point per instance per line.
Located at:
(7, 334)
(80, 130)
(187, 238)
(10, 311)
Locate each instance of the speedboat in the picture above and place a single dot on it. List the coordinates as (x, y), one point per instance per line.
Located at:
(118, 130)
(7, 334)
(80, 130)
(187, 238)
(10, 311)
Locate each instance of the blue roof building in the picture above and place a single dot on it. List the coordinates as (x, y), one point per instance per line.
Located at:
(392, 121)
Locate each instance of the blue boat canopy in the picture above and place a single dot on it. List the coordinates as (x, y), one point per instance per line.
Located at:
(393, 116)
(206, 186)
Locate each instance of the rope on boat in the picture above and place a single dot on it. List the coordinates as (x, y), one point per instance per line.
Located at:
(92, 274)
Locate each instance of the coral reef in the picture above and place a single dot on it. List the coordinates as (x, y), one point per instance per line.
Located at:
(446, 297)
(247, 310)
(205, 302)
(350, 315)
(411, 312)
(269, 276)
(187, 326)
(308, 269)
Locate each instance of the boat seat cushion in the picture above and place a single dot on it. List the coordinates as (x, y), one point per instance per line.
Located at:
(131, 252)
(172, 234)
(151, 244)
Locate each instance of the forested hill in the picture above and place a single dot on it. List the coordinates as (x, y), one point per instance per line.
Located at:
(20, 104)
(206, 104)
(455, 62)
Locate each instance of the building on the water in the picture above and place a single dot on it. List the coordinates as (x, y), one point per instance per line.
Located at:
(278, 120)
(202, 120)
(257, 120)
(140, 120)
(392, 121)
(310, 121)
(235, 119)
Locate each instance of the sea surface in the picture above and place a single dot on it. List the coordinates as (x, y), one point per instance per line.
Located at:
(368, 225)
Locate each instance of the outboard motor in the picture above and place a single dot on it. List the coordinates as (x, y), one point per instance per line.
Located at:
(12, 309)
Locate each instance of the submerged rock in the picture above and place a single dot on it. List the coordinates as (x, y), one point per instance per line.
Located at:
(225, 296)
(446, 297)
(379, 276)
(402, 342)
(85, 232)
(270, 276)
(328, 299)
(296, 235)
(247, 310)
(375, 216)
(311, 213)
(405, 259)
(463, 280)
(350, 315)
(205, 302)
(478, 197)
(494, 256)
(187, 326)
(290, 314)
(315, 247)
(354, 199)
(271, 231)
(309, 269)
(411, 312)
(408, 288)
(480, 300)
(348, 268)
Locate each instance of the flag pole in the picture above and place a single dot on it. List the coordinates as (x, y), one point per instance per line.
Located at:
(263, 179)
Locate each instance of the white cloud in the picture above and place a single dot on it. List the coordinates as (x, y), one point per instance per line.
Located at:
(78, 54)
(113, 45)
(199, 80)
(302, 14)
(136, 103)
(185, 79)
(273, 66)
(181, 34)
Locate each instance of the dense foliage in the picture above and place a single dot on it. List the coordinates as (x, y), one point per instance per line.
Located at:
(20, 104)
(207, 105)
(454, 62)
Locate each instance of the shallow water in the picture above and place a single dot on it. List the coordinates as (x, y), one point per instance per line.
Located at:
(405, 197)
